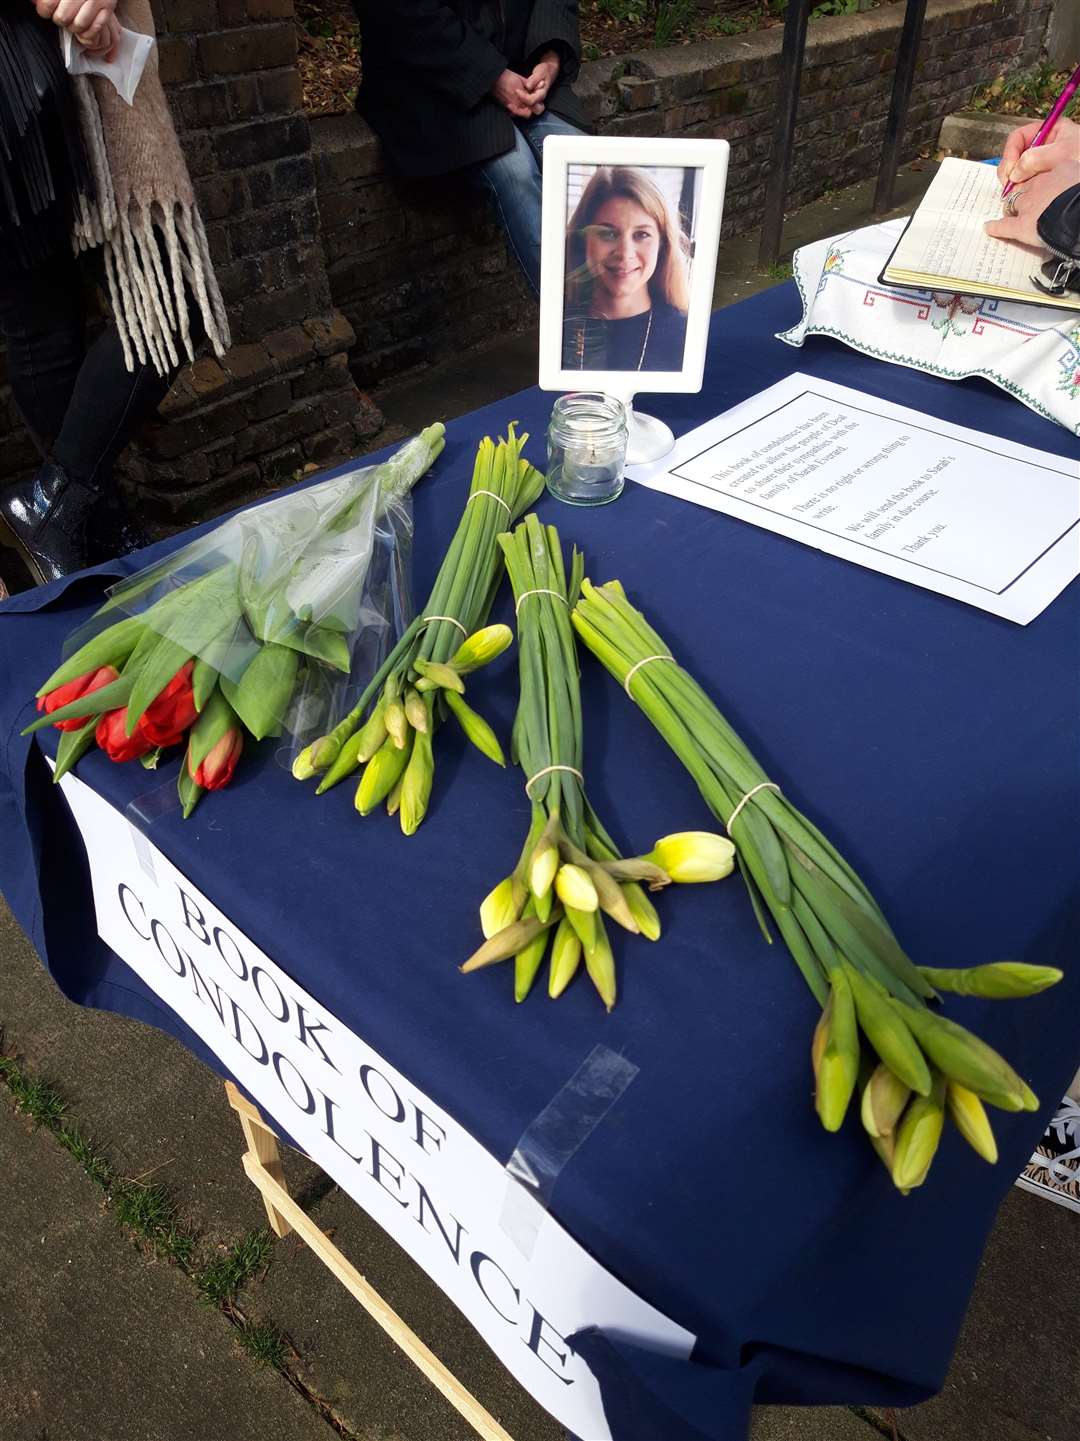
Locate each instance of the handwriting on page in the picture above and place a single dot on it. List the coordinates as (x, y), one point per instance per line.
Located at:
(947, 236)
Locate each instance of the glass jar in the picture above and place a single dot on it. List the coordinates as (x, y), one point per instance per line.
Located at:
(586, 446)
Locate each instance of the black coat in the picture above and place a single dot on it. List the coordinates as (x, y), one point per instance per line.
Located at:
(427, 67)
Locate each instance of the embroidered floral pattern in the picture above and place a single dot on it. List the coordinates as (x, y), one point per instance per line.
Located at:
(1030, 352)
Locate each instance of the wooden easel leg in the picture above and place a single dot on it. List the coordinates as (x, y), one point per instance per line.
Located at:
(262, 1143)
(482, 1422)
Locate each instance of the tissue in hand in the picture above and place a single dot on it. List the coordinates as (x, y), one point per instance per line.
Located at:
(124, 72)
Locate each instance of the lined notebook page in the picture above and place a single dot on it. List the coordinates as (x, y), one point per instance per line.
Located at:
(946, 238)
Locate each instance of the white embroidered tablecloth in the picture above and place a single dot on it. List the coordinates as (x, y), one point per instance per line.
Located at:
(1033, 352)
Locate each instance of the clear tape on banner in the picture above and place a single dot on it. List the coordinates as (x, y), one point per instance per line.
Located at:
(550, 1140)
(148, 806)
(143, 853)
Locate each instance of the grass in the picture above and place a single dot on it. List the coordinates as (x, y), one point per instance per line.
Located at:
(92, 1162)
(150, 1213)
(1031, 92)
(147, 1210)
(36, 1099)
(264, 1344)
(223, 1278)
(779, 270)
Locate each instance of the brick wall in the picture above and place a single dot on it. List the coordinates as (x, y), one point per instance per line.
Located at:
(334, 273)
(420, 271)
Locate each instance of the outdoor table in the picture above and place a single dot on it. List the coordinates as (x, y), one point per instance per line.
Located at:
(937, 746)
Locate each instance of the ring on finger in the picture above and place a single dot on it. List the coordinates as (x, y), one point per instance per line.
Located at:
(1009, 205)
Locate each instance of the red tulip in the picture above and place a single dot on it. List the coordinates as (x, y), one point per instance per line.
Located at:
(217, 766)
(113, 740)
(75, 690)
(168, 717)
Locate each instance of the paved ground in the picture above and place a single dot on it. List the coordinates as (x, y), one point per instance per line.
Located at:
(101, 1340)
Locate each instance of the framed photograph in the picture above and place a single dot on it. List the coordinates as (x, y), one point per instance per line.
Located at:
(630, 233)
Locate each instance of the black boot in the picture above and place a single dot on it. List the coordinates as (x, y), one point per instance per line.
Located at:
(45, 519)
(112, 530)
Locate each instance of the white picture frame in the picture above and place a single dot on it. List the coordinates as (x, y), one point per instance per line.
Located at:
(691, 175)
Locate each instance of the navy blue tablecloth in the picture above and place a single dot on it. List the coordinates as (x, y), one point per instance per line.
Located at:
(937, 745)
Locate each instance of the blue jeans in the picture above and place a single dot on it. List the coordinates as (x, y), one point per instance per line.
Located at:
(514, 180)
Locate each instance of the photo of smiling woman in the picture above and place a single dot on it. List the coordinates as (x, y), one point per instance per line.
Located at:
(627, 268)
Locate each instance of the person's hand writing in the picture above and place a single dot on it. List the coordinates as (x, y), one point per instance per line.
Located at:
(1017, 148)
(1058, 170)
(544, 74)
(513, 95)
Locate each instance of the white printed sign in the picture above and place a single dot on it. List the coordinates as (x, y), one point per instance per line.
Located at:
(971, 516)
(407, 1162)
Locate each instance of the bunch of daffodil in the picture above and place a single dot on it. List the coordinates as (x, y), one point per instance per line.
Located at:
(878, 1038)
(569, 876)
(390, 729)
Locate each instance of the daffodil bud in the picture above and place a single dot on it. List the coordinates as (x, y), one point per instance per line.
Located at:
(967, 1059)
(917, 1137)
(397, 724)
(393, 800)
(575, 889)
(416, 711)
(1000, 980)
(346, 762)
(511, 939)
(565, 958)
(883, 1100)
(380, 776)
(316, 757)
(499, 908)
(821, 1037)
(543, 864)
(372, 733)
(642, 910)
(475, 727)
(691, 856)
(838, 1062)
(481, 648)
(527, 963)
(609, 893)
(584, 923)
(440, 675)
(416, 783)
(969, 1115)
(888, 1034)
(600, 964)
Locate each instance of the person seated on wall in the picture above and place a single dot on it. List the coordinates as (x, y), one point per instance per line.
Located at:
(626, 287)
(1044, 208)
(68, 146)
(474, 86)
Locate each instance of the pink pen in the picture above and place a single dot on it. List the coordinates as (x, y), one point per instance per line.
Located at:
(1052, 119)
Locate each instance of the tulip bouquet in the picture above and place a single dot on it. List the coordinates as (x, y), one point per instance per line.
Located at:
(421, 682)
(570, 874)
(878, 1037)
(229, 632)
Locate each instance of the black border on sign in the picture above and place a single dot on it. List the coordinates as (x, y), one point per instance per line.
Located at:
(824, 530)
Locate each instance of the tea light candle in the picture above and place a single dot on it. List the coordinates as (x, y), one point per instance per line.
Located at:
(586, 448)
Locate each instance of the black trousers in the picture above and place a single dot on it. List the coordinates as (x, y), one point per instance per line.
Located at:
(79, 402)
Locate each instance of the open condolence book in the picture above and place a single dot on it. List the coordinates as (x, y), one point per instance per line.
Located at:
(945, 247)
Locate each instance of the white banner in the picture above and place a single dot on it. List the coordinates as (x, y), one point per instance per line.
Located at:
(408, 1163)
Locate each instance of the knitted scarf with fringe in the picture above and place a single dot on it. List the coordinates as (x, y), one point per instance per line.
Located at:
(141, 182)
